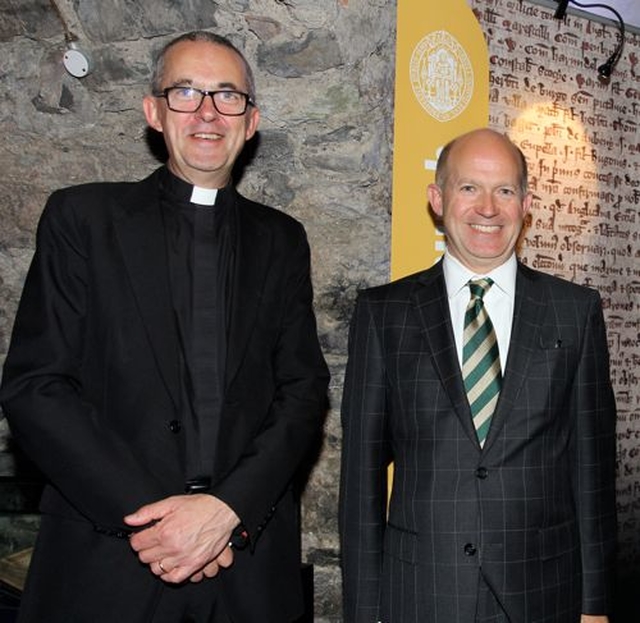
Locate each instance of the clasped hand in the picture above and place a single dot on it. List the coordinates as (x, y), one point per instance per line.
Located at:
(186, 537)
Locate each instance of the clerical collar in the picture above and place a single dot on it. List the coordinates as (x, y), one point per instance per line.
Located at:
(184, 192)
(204, 196)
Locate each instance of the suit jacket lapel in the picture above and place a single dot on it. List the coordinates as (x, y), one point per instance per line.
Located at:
(433, 308)
(140, 232)
(253, 247)
(528, 312)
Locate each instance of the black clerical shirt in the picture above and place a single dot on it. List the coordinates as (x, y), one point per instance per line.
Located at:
(200, 242)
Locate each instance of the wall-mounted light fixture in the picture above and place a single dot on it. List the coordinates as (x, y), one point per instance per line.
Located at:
(76, 60)
(606, 69)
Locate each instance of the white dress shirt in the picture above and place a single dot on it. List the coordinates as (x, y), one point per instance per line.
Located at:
(498, 301)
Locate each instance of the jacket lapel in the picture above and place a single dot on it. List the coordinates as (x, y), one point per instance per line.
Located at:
(432, 306)
(140, 233)
(528, 313)
(253, 248)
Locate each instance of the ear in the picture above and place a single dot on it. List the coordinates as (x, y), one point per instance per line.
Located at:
(253, 118)
(526, 203)
(434, 193)
(151, 107)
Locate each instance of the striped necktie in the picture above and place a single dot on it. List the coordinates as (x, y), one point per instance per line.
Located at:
(480, 359)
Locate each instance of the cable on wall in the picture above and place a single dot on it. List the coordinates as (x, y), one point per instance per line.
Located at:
(606, 69)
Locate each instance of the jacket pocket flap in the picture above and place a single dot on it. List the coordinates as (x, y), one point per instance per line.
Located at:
(558, 540)
(401, 544)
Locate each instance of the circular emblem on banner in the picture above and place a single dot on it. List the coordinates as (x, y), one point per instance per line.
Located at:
(441, 75)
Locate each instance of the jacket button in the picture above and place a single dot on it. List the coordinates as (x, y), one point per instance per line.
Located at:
(174, 426)
(482, 473)
(469, 549)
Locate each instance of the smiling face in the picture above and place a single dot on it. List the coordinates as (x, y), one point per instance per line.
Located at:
(203, 145)
(480, 200)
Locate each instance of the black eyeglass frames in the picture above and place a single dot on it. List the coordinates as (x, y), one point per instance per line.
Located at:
(188, 99)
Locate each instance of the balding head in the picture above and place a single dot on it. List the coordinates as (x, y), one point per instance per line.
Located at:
(482, 134)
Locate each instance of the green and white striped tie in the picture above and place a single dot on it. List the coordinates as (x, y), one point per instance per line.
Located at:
(480, 359)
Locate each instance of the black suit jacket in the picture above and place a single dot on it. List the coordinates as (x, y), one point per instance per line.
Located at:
(91, 390)
(533, 511)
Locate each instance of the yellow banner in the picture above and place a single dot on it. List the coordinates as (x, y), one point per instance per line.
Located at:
(442, 90)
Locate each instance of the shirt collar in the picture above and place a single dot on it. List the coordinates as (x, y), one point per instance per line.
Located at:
(456, 275)
(185, 193)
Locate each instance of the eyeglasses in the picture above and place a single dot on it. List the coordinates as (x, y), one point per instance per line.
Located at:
(189, 99)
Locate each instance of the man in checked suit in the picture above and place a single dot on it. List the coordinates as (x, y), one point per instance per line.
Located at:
(516, 526)
(165, 375)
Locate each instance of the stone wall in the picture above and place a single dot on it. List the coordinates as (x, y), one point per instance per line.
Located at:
(325, 73)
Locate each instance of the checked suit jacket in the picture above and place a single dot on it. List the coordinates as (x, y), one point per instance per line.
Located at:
(532, 512)
(92, 393)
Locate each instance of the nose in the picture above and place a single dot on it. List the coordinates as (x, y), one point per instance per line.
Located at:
(207, 110)
(487, 205)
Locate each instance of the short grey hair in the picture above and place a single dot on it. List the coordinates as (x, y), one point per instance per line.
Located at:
(199, 35)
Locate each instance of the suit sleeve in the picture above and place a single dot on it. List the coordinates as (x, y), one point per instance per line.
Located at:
(594, 406)
(42, 392)
(365, 459)
(299, 377)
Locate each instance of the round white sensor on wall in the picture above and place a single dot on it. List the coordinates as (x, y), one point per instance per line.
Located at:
(76, 61)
